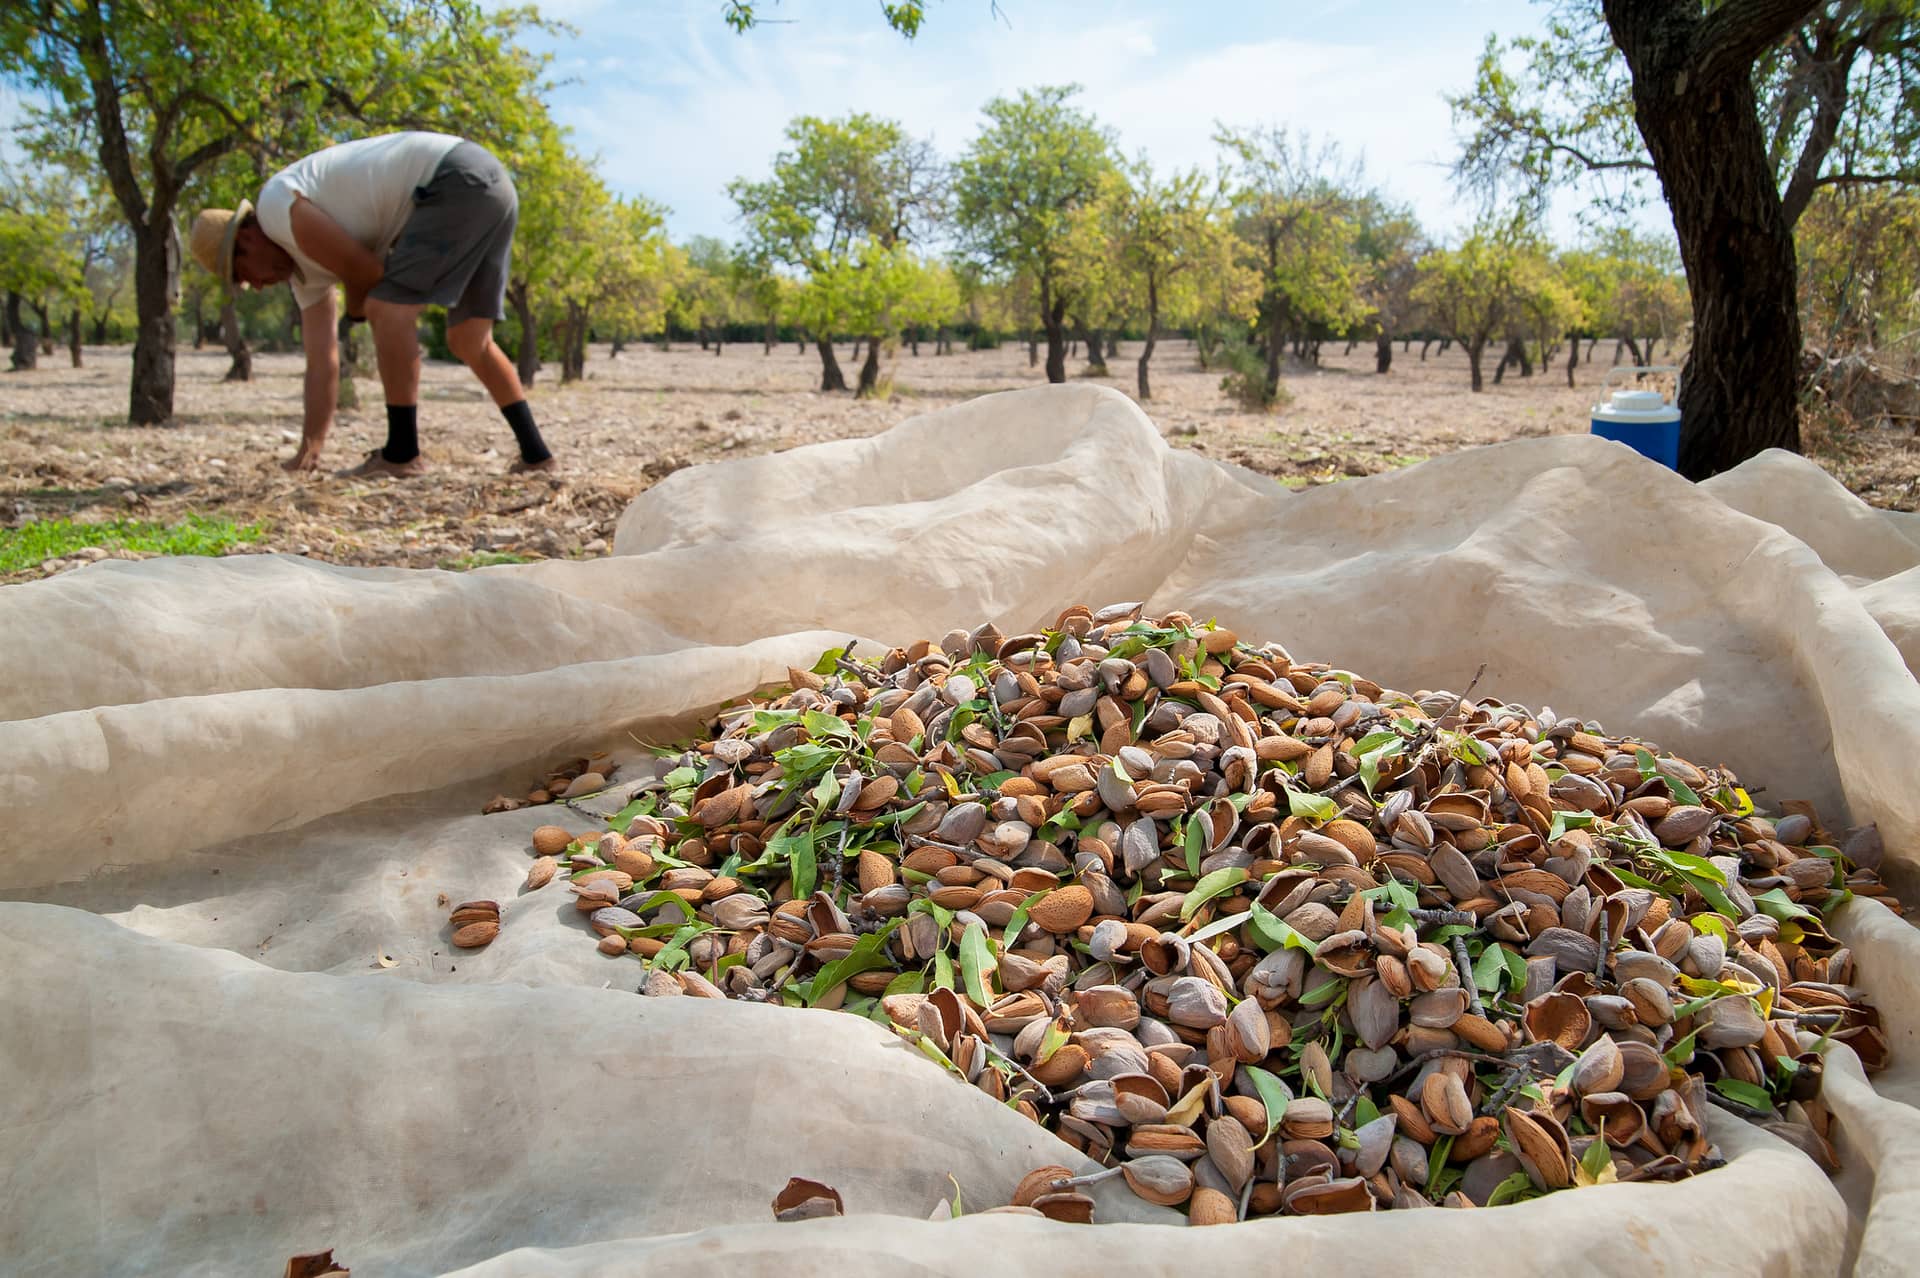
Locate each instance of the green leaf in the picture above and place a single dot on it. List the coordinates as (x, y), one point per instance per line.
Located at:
(1515, 1188)
(674, 953)
(976, 963)
(801, 862)
(1215, 884)
(826, 791)
(680, 777)
(1323, 994)
(1218, 926)
(1596, 1158)
(1712, 893)
(1775, 901)
(821, 724)
(1744, 1094)
(942, 971)
(1374, 740)
(1682, 1050)
(1055, 1037)
(641, 806)
(1490, 967)
(1274, 1094)
(1018, 922)
(1516, 968)
(659, 899)
(1689, 864)
(868, 953)
(1648, 768)
(1195, 843)
(906, 983)
(1365, 1111)
(826, 666)
(1276, 933)
(1311, 807)
(1564, 821)
(1710, 923)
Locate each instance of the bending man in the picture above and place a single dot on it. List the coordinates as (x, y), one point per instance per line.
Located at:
(401, 222)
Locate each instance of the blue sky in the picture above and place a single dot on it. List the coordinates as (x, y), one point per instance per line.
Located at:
(674, 104)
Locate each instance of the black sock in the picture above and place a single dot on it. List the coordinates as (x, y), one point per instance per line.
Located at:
(403, 433)
(519, 415)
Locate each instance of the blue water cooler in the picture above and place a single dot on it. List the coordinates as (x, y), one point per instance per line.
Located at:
(1643, 420)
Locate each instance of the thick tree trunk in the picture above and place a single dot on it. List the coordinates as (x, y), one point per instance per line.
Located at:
(1096, 343)
(1696, 108)
(529, 361)
(831, 378)
(1383, 352)
(26, 342)
(235, 342)
(1573, 354)
(73, 336)
(869, 371)
(573, 344)
(1055, 318)
(156, 283)
(1474, 351)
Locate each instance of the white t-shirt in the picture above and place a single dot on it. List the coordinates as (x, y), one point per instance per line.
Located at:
(365, 186)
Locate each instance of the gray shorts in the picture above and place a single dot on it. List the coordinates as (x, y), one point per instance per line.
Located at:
(456, 245)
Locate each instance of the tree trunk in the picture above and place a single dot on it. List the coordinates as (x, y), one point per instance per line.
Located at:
(199, 323)
(1406, 344)
(801, 346)
(573, 344)
(1473, 358)
(869, 371)
(719, 342)
(1445, 342)
(73, 336)
(1573, 354)
(831, 379)
(7, 315)
(1033, 349)
(942, 341)
(1383, 352)
(1113, 348)
(1055, 318)
(156, 283)
(1351, 343)
(1096, 343)
(1696, 108)
(913, 340)
(619, 344)
(26, 342)
(766, 340)
(1424, 343)
(1153, 335)
(235, 342)
(529, 361)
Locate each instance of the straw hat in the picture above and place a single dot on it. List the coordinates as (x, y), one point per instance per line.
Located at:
(213, 235)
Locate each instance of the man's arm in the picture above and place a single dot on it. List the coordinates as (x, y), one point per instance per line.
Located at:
(322, 348)
(329, 246)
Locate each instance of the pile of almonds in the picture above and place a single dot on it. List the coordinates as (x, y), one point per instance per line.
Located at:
(475, 923)
(1259, 935)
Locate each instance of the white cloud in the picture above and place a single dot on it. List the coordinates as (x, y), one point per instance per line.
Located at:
(691, 106)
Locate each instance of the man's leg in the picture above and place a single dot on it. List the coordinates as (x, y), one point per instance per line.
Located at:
(396, 347)
(471, 341)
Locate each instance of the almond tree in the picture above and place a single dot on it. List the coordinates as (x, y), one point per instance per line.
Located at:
(1742, 109)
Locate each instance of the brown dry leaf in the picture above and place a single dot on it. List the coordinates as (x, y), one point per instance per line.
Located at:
(318, 1264)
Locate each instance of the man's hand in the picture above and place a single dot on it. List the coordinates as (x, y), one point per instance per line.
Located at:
(307, 457)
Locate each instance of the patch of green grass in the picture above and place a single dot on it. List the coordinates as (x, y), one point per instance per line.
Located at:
(34, 543)
(483, 559)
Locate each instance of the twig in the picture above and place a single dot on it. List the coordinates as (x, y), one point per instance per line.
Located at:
(1046, 1095)
(1446, 918)
(1465, 966)
(1606, 943)
(1422, 738)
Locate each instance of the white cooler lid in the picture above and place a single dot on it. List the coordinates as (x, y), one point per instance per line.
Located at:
(1636, 406)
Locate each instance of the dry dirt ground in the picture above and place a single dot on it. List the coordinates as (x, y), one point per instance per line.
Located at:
(66, 452)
